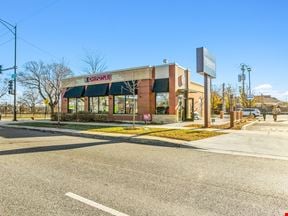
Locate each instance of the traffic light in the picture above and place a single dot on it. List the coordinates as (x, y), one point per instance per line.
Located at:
(10, 87)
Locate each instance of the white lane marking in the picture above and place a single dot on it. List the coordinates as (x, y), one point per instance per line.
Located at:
(95, 205)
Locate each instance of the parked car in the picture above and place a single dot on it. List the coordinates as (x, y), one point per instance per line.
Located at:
(251, 111)
(197, 116)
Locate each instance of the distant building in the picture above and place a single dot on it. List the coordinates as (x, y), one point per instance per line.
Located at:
(165, 93)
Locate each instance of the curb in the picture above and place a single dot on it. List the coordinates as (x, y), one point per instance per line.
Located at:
(248, 125)
(165, 142)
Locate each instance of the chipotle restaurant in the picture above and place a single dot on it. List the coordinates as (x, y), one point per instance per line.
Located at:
(163, 94)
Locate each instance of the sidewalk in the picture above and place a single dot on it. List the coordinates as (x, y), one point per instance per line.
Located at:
(141, 139)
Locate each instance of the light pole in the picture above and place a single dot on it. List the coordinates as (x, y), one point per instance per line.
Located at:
(249, 70)
(243, 78)
(250, 95)
(13, 30)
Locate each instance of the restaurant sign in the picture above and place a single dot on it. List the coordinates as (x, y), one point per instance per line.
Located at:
(98, 77)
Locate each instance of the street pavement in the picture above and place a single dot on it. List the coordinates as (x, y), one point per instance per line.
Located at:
(266, 139)
(44, 173)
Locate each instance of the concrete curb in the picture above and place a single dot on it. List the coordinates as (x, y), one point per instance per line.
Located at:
(248, 125)
(146, 140)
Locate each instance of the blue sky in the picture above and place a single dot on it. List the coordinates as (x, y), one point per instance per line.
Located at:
(135, 33)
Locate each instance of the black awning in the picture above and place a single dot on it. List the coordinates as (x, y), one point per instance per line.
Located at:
(74, 92)
(120, 88)
(161, 85)
(97, 90)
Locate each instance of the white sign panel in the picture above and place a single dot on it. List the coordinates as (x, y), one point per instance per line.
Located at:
(206, 63)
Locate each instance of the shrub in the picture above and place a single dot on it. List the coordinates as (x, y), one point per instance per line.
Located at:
(80, 116)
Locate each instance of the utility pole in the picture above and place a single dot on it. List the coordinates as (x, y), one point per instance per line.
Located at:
(13, 30)
(15, 69)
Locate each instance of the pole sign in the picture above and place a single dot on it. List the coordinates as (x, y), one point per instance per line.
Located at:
(206, 63)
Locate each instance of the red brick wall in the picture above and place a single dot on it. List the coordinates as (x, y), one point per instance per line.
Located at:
(144, 97)
(64, 105)
(152, 98)
(172, 93)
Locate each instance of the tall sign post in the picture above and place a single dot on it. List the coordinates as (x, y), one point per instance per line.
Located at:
(206, 65)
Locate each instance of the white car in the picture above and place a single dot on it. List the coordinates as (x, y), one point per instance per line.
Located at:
(251, 111)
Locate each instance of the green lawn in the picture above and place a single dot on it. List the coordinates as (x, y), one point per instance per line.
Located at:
(181, 134)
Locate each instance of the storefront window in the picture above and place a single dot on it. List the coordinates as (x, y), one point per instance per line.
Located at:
(71, 105)
(123, 104)
(75, 105)
(162, 103)
(130, 104)
(119, 104)
(103, 104)
(93, 104)
(80, 104)
(99, 104)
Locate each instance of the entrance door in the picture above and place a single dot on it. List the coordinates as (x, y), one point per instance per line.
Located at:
(190, 109)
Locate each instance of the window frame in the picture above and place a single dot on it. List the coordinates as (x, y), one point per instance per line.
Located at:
(125, 105)
(98, 104)
(156, 93)
(75, 104)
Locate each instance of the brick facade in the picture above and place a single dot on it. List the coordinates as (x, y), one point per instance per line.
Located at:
(146, 97)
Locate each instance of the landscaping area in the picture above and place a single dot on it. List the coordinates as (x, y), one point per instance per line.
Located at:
(181, 134)
(237, 126)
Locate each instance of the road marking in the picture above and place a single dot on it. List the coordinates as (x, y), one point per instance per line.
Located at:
(95, 205)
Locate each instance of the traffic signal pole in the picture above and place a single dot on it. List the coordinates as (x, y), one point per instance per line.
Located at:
(15, 70)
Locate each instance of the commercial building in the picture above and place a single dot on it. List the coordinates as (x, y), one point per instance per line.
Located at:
(162, 93)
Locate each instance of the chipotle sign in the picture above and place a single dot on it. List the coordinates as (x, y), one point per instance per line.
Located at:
(100, 77)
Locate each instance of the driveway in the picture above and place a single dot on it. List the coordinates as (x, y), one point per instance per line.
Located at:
(262, 139)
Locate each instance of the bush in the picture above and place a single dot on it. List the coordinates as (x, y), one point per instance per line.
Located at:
(80, 116)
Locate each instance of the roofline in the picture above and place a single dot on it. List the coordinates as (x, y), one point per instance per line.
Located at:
(196, 83)
(173, 63)
(112, 71)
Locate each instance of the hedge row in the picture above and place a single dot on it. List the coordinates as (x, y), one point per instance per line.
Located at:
(81, 116)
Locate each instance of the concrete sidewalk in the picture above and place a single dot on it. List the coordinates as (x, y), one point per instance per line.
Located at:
(250, 142)
(142, 139)
(261, 139)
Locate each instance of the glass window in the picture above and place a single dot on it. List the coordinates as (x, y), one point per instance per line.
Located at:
(76, 105)
(119, 104)
(130, 104)
(80, 104)
(103, 104)
(99, 104)
(123, 104)
(93, 104)
(71, 105)
(162, 103)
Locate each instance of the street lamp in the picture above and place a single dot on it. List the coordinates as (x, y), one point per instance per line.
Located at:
(13, 30)
(249, 70)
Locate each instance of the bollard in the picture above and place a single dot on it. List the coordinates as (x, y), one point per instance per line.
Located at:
(232, 118)
(221, 114)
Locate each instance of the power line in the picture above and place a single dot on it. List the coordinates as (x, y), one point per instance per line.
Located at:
(5, 33)
(38, 48)
(38, 11)
(6, 41)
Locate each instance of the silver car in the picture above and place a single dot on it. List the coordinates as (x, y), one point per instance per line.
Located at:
(251, 111)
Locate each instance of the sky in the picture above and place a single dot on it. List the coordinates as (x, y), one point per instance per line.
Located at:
(131, 33)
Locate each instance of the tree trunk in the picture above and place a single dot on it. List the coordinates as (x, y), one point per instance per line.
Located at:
(52, 110)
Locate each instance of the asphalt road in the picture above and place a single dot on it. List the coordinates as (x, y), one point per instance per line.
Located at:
(38, 169)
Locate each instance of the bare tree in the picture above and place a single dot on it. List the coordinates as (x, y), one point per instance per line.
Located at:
(95, 63)
(30, 98)
(46, 78)
(3, 87)
(132, 86)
